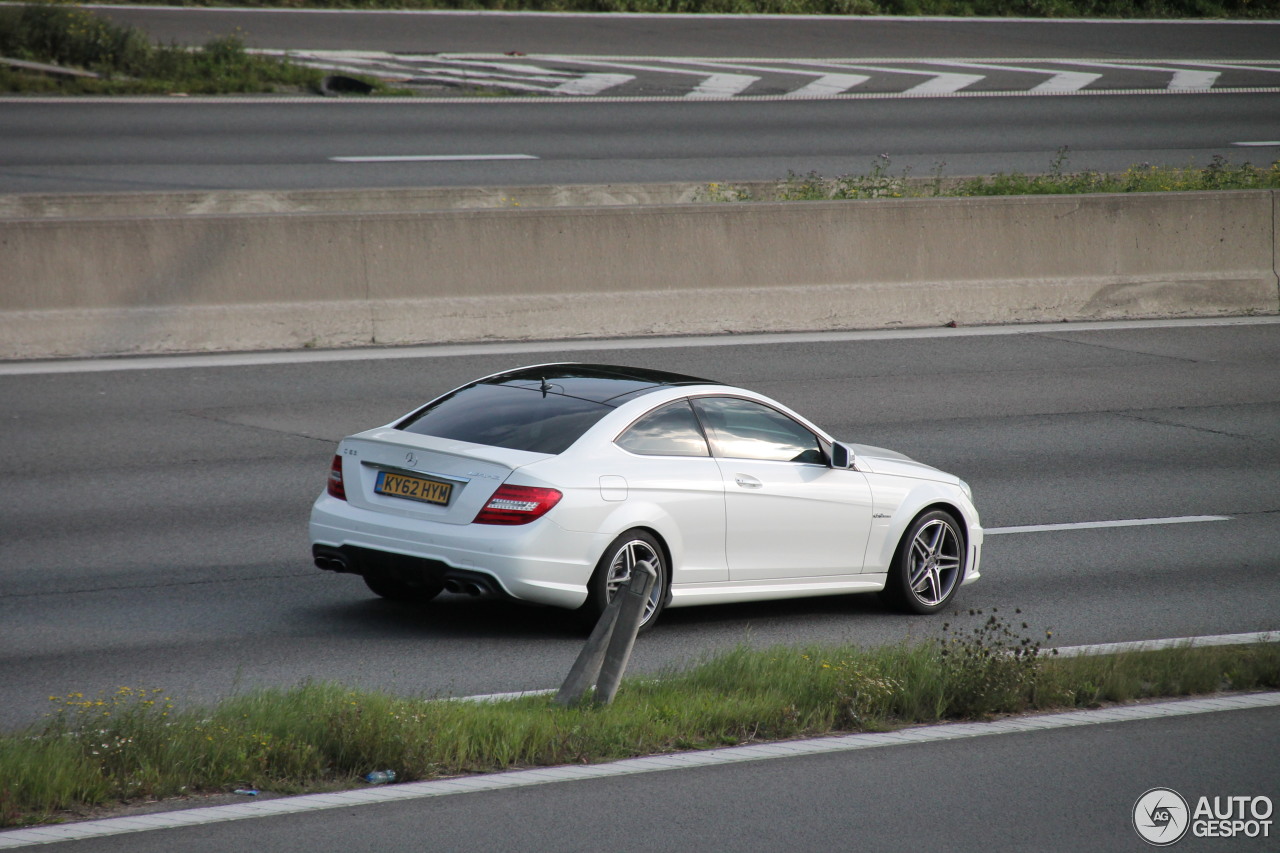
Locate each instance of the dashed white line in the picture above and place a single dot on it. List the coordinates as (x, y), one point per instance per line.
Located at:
(1090, 525)
(428, 158)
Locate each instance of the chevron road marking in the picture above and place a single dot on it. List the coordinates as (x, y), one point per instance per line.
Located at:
(592, 84)
(722, 86)
(712, 86)
(825, 86)
(1064, 81)
(829, 84)
(1182, 79)
(938, 84)
(833, 78)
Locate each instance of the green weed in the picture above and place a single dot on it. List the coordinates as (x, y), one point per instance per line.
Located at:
(126, 62)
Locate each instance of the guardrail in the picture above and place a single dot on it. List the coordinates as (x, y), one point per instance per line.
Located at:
(171, 283)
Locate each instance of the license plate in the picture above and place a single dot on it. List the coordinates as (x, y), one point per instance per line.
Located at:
(413, 488)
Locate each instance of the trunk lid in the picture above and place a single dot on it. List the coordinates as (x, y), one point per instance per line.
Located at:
(425, 477)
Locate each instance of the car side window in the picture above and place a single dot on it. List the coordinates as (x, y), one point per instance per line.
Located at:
(669, 431)
(745, 429)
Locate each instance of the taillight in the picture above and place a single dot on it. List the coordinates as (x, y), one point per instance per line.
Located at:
(336, 489)
(517, 505)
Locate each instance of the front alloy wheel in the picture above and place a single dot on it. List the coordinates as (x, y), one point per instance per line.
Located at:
(929, 565)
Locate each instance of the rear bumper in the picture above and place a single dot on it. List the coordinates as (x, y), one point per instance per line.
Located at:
(415, 572)
(538, 562)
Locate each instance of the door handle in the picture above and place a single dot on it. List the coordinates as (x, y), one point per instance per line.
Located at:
(746, 481)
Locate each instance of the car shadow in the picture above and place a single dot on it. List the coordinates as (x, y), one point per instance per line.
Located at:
(451, 616)
(466, 617)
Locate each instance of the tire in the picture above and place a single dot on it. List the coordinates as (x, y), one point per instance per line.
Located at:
(397, 590)
(614, 570)
(929, 565)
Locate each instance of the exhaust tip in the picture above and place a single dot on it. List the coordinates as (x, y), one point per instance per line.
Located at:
(333, 562)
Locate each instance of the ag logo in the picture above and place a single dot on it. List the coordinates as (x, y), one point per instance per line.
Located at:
(1161, 816)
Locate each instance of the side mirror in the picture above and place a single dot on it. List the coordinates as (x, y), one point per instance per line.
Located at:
(841, 455)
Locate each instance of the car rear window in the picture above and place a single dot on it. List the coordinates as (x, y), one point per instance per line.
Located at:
(520, 418)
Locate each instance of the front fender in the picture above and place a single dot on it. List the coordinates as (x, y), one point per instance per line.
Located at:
(899, 501)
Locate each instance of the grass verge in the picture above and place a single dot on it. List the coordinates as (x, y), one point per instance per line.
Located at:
(121, 60)
(135, 745)
(881, 182)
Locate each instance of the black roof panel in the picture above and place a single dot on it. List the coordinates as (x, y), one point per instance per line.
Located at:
(599, 383)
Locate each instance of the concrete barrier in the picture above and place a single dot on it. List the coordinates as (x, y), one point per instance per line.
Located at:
(110, 285)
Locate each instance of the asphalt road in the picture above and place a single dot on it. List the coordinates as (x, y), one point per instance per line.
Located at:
(153, 522)
(177, 145)
(138, 145)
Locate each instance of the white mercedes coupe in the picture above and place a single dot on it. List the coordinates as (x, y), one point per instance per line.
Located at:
(549, 484)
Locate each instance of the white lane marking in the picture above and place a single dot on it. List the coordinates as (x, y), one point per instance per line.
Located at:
(478, 69)
(712, 86)
(311, 356)
(502, 103)
(426, 158)
(477, 78)
(722, 86)
(1063, 81)
(1182, 79)
(592, 84)
(1269, 144)
(1171, 643)
(504, 697)
(631, 766)
(829, 84)
(825, 86)
(939, 83)
(1090, 525)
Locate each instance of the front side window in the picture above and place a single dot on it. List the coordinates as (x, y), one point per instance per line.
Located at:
(745, 429)
(669, 431)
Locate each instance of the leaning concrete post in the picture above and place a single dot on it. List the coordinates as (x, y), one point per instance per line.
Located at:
(585, 669)
(611, 641)
(635, 595)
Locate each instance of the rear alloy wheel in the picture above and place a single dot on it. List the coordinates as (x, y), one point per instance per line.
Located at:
(929, 565)
(614, 572)
(397, 590)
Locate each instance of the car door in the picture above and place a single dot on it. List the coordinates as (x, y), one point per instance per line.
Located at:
(674, 470)
(788, 514)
